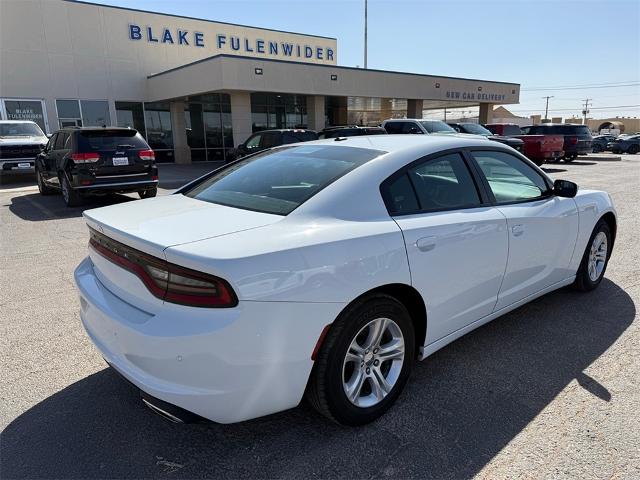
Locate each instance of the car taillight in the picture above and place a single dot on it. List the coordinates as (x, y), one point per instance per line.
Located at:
(573, 140)
(147, 155)
(85, 157)
(165, 280)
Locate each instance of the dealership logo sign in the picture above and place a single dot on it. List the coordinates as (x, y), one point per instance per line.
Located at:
(230, 43)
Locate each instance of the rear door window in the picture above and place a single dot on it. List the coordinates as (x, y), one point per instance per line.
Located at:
(394, 127)
(271, 139)
(109, 140)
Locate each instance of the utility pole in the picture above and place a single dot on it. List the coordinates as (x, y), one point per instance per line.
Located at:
(365, 34)
(546, 109)
(586, 110)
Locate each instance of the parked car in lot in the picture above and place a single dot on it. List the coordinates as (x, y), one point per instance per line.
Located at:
(629, 144)
(538, 148)
(273, 138)
(328, 269)
(20, 143)
(95, 161)
(416, 125)
(577, 138)
(350, 131)
(477, 129)
(599, 143)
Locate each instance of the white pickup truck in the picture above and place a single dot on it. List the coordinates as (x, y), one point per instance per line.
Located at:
(20, 143)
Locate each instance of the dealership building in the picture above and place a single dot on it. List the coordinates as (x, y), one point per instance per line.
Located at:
(196, 88)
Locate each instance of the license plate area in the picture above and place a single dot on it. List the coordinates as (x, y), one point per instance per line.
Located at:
(24, 165)
(120, 161)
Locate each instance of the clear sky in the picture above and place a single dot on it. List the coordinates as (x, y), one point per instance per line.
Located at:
(550, 47)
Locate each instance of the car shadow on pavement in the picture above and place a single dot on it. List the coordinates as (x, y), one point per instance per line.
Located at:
(461, 407)
(35, 207)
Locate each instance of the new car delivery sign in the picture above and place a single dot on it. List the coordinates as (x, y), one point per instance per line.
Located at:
(274, 44)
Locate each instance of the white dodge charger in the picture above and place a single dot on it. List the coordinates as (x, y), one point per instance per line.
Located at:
(327, 269)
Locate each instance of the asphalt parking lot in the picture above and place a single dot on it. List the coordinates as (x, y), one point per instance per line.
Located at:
(549, 390)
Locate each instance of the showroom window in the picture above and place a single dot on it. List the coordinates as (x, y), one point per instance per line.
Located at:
(22, 109)
(95, 113)
(83, 113)
(157, 119)
(275, 110)
(131, 115)
(209, 130)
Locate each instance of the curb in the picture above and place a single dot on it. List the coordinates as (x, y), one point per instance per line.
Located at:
(608, 158)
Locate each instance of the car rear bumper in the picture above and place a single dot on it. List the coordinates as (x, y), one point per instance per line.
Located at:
(226, 365)
(122, 186)
(17, 165)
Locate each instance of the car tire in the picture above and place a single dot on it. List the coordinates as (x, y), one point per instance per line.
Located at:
(149, 193)
(70, 196)
(633, 149)
(43, 188)
(375, 379)
(595, 259)
(538, 161)
(570, 158)
(597, 148)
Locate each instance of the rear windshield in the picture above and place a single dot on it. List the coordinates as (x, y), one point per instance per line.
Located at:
(278, 181)
(437, 126)
(103, 140)
(558, 130)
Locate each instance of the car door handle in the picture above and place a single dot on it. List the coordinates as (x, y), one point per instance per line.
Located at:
(517, 230)
(426, 244)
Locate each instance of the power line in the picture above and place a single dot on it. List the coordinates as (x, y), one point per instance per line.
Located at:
(587, 84)
(579, 88)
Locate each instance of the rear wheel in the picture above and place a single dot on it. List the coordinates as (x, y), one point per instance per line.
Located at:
(538, 161)
(595, 258)
(71, 197)
(570, 158)
(365, 361)
(597, 148)
(149, 193)
(43, 188)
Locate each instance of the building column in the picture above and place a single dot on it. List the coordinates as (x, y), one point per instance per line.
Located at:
(315, 112)
(181, 150)
(486, 113)
(414, 108)
(240, 116)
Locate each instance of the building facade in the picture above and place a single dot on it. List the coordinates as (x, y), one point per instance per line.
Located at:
(196, 88)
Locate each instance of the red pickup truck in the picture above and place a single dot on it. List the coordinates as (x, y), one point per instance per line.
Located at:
(538, 148)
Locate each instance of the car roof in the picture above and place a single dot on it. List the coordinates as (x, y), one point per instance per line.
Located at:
(412, 120)
(286, 130)
(396, 143)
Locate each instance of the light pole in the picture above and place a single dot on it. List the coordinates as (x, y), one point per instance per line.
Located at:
(365, 34)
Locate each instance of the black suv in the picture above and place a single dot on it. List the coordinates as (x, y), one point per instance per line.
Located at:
(93, 161)
(273, 138)
(577, 138)
(477, 129)
(350, 131)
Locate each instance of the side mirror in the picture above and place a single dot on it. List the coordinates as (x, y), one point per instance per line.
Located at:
(565, 188)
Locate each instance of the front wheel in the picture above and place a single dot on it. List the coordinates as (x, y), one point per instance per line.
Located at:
(43, 188)
(633, 149)
(597, 148)
(570, 158)
(595, 258)
(365, 361)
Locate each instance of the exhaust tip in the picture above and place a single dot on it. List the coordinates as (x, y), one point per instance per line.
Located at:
(169, 412)
(163, 413)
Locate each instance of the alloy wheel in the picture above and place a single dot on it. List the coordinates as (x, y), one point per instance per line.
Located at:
(373, 362)
(597, 256)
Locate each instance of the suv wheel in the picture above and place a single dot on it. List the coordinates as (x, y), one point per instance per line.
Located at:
(43, 188)
(633, 149)
(364, 362)
(149, 193)
(71, 197)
